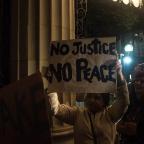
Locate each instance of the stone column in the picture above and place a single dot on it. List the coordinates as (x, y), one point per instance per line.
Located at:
(31, 37)
(18, 51)
(61, 14)
(63, 28)
(72, 36)
(68, 32)
(14, 48)
(66, 36)
(45, 35)
(23, 38)
(56, 36)
(65, 20)
(56, 20)
(72, 18)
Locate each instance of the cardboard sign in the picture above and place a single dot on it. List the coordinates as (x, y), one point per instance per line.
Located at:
(82, 65)
(23, 116)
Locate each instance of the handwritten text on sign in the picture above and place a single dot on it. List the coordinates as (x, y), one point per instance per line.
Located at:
(79, 65)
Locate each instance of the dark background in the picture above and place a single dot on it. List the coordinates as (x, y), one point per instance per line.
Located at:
(105, 18)
(5, 21)
(126, 22)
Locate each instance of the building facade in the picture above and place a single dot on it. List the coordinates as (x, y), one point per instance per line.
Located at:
(27, 28)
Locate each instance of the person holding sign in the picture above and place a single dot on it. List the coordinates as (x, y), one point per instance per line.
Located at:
(96, 123)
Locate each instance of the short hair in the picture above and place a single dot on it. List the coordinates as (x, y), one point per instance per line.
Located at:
(138, 71)
(105, 97)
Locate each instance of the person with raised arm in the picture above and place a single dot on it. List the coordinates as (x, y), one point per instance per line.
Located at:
(96, 123)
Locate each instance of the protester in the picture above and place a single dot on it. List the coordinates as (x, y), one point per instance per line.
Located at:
(96, 123)
(131, 127)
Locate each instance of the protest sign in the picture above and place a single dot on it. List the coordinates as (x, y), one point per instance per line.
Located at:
(23, 116)
(82, 65)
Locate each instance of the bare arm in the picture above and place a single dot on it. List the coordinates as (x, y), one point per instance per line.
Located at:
(62, 111)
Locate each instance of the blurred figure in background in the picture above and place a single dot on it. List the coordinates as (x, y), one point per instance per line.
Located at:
(131, 127)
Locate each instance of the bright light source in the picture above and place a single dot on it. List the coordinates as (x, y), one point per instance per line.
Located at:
(136, 3)
(121, 55)
(126, 2)
(128, 48)
(127, 60)
(130, 77)
(120, 61)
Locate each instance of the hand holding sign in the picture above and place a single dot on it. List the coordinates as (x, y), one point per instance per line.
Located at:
(118, 67)
(79, 66)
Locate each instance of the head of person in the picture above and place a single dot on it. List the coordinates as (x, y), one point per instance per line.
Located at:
(96, 102)
(138, 79)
